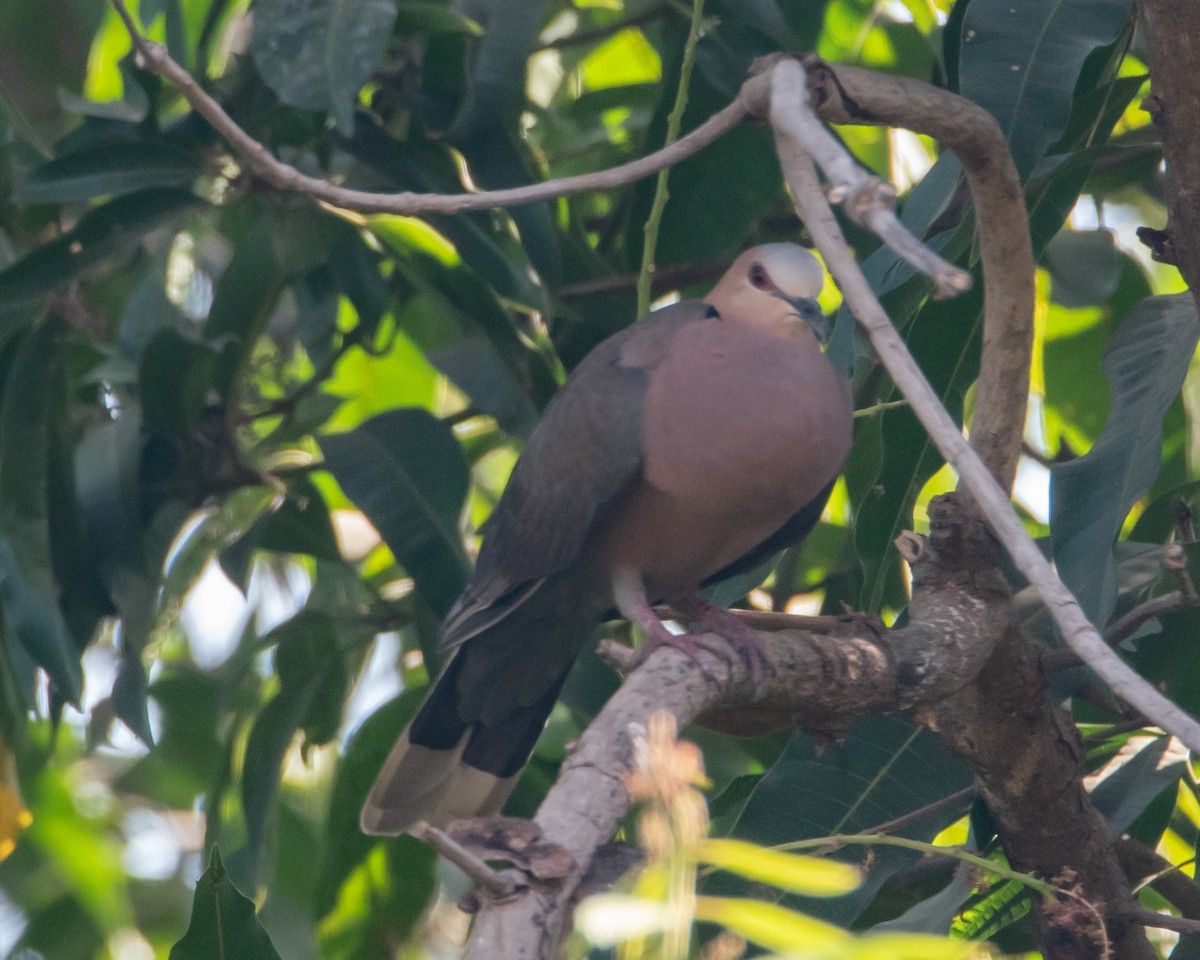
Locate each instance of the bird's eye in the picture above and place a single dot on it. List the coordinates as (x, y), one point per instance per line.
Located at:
(759, 277)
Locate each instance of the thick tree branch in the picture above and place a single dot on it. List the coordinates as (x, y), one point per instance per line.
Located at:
(1172, 32)
(959, 609)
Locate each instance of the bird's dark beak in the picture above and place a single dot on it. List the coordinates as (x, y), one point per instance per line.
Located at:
(808, 310)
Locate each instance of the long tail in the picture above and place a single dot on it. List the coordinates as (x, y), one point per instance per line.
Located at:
(444, 768)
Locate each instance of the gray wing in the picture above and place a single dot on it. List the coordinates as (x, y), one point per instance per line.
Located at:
(583, 454)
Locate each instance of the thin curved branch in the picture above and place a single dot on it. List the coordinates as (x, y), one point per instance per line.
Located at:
(850, 95)
(154, 57)
(790, 97)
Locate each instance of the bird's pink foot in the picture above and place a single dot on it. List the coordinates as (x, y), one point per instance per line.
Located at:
(715, 619)
(657, 635)
(731, 637)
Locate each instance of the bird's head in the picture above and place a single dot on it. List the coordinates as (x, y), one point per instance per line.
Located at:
(774, 286)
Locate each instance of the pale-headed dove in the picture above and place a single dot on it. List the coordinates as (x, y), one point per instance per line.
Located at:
(686, 448)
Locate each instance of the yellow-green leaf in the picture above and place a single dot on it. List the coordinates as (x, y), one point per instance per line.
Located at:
(772, 926)
(812, 876)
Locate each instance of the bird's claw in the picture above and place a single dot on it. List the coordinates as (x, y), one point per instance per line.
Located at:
(723, 634)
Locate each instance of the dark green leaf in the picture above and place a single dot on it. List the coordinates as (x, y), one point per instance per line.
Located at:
(885, 768)
(1022, 63)
(110, 170)
(1091, 496)
(1122, 796)
(346, 845)
(1084, 266)
(223, 925)
(147, 311)
(405, 471)
(312, 684)
(415, 17)
(317, 54)
(176, 376)
(114, 227)
(244, 296)
(300, 525)
(28, 590)
(497, 73)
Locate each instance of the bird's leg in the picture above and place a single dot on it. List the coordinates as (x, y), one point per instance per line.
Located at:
(716, 619)
(629, 594)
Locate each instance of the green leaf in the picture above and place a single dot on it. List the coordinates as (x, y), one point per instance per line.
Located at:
(301, 524)
(496, 82)
(317, 54)
(1084, 265)
(1022, 63)
(175, 377)
(1090, 497)
(421, 18)
(117, 225)
(147, 311)
(405, 471)
(772, 926)
(224, 925)
(313, 682)
(886, 768)
(110, 170)
(243, 298)
(28, 589)
(187, 756)
(346, 846)
(1124, 794)
(813, 876)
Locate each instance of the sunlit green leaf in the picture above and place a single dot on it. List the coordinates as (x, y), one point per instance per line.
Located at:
(787, 871)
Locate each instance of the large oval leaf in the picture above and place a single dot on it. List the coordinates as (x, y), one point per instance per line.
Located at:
(1021, 61)
(1091, 496)
(405, 471)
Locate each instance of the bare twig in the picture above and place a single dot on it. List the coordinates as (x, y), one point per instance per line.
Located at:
(790, 98)
(154, 57)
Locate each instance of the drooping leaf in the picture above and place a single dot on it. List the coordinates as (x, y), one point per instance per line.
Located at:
(28, 589)
(1125, 793)
(175, 377)
(1091, 496)
(223, 925)
(313, 679)
(405, 471)
(243, 298)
